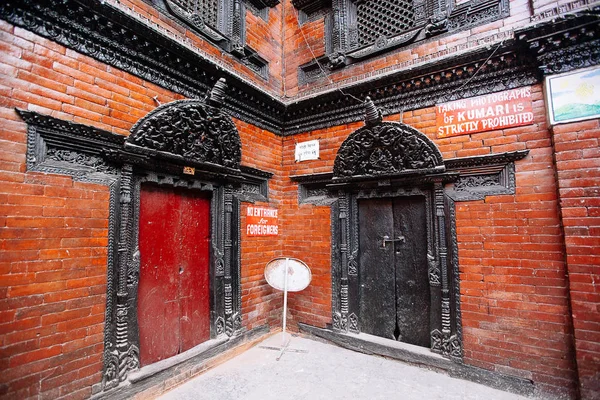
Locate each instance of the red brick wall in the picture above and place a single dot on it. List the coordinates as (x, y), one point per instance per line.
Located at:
(266, 39)
(260, 303)
(53, 230)
(513, 268)
(513, 280)
(307, 228)
(53, 263)
(301, 44)
(514, 290)
(578, 163)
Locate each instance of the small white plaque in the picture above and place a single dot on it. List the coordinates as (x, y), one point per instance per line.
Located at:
(307, 150)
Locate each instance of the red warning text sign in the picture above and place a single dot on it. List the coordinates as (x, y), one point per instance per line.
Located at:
(484, 113)
(261, 221)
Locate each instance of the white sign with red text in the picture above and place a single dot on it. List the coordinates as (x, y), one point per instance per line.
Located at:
(484, 113)
(261, 221)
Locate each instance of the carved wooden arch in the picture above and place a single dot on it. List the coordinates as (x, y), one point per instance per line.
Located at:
(385, 160)
(194, 131)
(187, 144)
(386, 149)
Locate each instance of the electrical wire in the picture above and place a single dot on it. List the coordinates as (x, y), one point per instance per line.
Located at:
(445, 97)
(401, 111)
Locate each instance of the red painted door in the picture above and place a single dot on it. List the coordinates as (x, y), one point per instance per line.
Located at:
(173, 291)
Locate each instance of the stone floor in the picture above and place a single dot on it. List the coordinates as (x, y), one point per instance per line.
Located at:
(315, 370)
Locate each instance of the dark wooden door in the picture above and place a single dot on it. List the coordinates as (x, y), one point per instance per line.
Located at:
(394, 283)
(173, 290)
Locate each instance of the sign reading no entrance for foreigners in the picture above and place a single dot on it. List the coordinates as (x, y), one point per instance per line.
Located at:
(484, 113)
(261, 221)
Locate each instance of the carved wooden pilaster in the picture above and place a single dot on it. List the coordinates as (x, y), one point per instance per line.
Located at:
(340, 316)
(238, 28)
(339, 34)
(221, 271)
(442, 252)
(444, 342)
(126, 352)
(353, 264)
(125, 227)
(439, 13)
(227, 242)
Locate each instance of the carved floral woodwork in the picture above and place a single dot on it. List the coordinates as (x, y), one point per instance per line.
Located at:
(385, 148)
(565, 43)
(190, 130)
(194, 131)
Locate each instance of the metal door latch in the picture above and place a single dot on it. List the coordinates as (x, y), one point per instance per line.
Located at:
(386, 239)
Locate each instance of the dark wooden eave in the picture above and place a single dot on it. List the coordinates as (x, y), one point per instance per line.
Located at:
(111, 36)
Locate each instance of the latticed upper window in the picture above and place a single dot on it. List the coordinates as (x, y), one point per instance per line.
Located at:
(376, 18)
(201, 11)
(223, 22)
(358, 29)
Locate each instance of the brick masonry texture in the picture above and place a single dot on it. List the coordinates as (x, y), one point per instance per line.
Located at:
(54, 231)
(528, 261)
(261, 304)
(304, 42)
(264, 37)
(578, 164)
(514, 288)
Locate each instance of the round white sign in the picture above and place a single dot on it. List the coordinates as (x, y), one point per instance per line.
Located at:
(299, 275)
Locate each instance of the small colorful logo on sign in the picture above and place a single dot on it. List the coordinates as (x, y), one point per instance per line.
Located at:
(484, 113)
(261, 221)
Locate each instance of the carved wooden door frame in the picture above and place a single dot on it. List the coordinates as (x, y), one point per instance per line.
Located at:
(189, 144)
(389, 159)
(121, 334)
(442, 270)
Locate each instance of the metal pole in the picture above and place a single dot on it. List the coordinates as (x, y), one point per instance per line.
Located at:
(285, 287)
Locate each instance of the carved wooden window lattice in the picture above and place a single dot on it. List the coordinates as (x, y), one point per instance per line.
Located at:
(224, 23)
(375, 19)
(359, 29)
(212, 18)
(206, 9)
(201, 11)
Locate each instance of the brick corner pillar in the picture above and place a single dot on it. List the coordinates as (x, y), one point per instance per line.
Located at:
(577, 154)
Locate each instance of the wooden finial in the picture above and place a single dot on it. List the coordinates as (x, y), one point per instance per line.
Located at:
(372, 114)
(217, 94)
